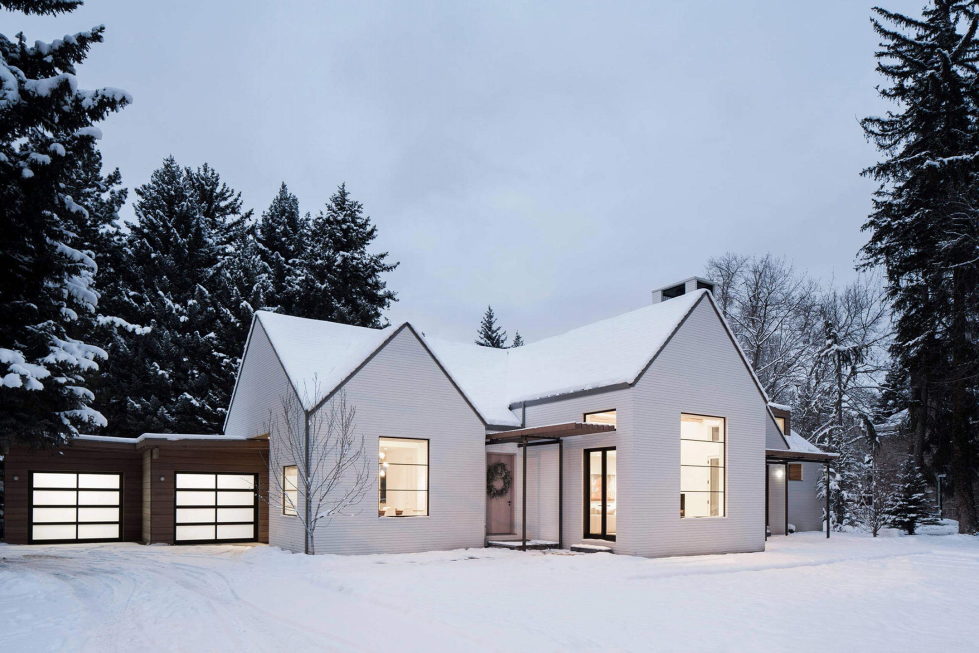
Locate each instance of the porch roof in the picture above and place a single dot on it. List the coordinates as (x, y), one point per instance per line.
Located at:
(789, 455)
(549, 432)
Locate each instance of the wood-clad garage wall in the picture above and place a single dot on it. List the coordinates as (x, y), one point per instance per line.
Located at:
(81, 456)
(167, 458)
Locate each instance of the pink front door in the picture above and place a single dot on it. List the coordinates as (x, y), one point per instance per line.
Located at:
(499, 510)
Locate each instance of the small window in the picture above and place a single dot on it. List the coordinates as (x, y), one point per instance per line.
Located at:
(703, 285)
(702, 469)
(795, 471)
(781, 424)
(290, 489)
(402, 477)
(602, 417)
(675, 291)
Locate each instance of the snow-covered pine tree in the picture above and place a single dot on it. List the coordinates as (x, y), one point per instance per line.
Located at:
(281, 235)
(910, 506)
(342, 281)
(924, 229)
(177, 376)
(490, 334)
(47, 290)
(517, 340)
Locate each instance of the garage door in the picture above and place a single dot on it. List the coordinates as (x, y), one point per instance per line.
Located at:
(216, 508)
(75, 507)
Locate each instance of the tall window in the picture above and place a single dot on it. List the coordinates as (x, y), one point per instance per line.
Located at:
(603, 417)
(781, 424)
(702, 440)
(600, 493)
(402, 477)
(290, 489)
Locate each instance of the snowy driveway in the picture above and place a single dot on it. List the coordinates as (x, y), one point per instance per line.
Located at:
(803, 594)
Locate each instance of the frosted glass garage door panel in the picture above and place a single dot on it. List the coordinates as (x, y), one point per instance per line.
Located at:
(195, 498)
(41, 515)
(54, 497)
(235, 498)
(236, 514)
(236, 482)
(98, 531)
(98, 498)
(98, 481)
(195, 515)
(98, 514)
(65, 532)
(236, 531)
(195, 532)
(195, 481)
(43, 479)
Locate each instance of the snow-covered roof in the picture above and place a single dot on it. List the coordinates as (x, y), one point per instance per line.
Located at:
(318, 356)
(798, 443)
(159, 436)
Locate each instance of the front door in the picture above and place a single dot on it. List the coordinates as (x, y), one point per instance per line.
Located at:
(499, 493)
(600, 493)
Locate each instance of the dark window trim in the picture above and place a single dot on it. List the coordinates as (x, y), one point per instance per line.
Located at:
(76, 490)
(587, 494)
(216, 540)
(428, 476)
(723, 465)
(295, 509)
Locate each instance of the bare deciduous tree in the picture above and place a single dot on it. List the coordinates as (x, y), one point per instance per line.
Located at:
(332, 468)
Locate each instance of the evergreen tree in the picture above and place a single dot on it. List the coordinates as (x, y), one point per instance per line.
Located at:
(184, 280)
(924, 229)
(910, 506)
(490, 334)
(281, 235)
(517, 340)
(47, 293)
(342, 280)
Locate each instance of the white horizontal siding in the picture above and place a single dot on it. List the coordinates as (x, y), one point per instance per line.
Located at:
(776, 498)
(805, 508)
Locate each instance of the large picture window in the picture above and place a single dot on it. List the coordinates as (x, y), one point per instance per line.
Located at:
(702, 442)
(402, 477)
(290, 489)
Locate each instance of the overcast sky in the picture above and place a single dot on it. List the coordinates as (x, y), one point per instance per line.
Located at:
(557, 160)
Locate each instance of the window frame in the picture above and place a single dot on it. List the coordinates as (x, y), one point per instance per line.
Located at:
(723, 466)
(285, 492)
(586, 469)
(584, 417)
(428, 476)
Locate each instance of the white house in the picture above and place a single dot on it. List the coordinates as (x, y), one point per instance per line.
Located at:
(647, 433)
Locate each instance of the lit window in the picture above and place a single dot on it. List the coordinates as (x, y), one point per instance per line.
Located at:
(795, 471)
(781, 424)
(402, 477)
(602, 417)
(701, 466)
(290, 489)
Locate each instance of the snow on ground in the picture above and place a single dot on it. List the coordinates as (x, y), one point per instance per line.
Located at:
(805, 594)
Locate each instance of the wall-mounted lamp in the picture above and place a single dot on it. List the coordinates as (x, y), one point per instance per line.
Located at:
(162, 479)
(16, 478)
(779, 473)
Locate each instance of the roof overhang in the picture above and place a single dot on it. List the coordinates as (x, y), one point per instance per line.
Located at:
(549, 432)
(789, 456)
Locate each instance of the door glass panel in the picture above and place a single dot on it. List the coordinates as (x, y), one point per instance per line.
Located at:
(98, 531)
(195, 498)
(110, 481)
(235, 498)
(195, 532)
(195, 515)
(595, 493)
(236, 482)
(54, 497)
(98, 514)
(610, 492)
(54, 480)
(195, 481)
(54, 514)
(98, 498)
(51, 532)
(236, 514)
(235, 531)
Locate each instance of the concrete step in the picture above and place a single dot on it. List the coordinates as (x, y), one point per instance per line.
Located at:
(532, 545)
(591, 548)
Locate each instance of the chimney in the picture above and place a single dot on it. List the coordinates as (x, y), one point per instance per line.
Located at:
(681, 288)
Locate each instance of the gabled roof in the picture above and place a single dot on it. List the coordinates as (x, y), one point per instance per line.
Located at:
(319, 356)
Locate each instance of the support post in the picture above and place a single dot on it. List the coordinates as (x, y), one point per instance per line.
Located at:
(560, 494)
(523, 499)
(827, 500)
(768, 520)
(785, 483)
